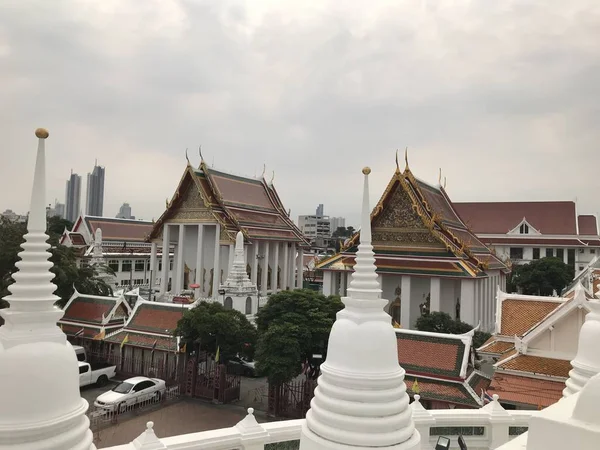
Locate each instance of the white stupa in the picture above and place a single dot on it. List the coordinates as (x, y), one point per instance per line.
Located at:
(40, 403)
(361, 400)
(239, 291)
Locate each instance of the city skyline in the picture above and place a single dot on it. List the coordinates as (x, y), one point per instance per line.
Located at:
(95, 191)
(314, 90)
(73, 197)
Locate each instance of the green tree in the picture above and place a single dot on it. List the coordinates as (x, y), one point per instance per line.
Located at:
(293, 326)
(542, 276)
(209, 325)
(441, 322)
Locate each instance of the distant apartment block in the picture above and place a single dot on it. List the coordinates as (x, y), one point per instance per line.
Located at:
(73, 197)
(95, 192)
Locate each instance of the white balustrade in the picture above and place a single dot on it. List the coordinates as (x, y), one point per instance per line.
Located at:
(483, 429)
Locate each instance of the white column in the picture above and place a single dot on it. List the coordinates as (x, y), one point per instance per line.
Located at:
(275, 272)
(265, 270)
(300, 269)
(328, 282)
(217, 262)
(165, 259)
(467, 301)
(435, 288)
(405, 318)
(254, 262)
(566, 255)
(178, 284)
(284, 270)
(199, 292)
(343, 283)
(294, 283)
(152, 267)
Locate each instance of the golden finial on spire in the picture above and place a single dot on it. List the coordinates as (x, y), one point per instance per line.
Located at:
(397, 164)
(187, 157)
(406, 158)
(366, 170)
(41, 133)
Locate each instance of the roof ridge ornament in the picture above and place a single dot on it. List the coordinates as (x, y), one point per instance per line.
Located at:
(397, 164)
(200, 153)
(264, 170)
(406, 159)
(444, 183)
(361, 368)
(272, 178)
(187, 157)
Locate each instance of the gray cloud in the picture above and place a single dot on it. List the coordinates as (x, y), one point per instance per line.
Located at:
(502, 96)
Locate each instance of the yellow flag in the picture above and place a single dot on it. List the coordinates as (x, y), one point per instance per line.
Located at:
(125, 340)
(217, 355)
(396, 324)
(415, 387)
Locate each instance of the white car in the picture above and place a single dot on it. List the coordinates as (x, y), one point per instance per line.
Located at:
(130, 393)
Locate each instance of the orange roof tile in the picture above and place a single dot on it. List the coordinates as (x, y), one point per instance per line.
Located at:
(538, 365)
(524, 390)
(498, 347)
(518, 316)
(425, 354)
(441, 390)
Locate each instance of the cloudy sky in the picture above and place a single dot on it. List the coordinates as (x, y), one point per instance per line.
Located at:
(503, 96)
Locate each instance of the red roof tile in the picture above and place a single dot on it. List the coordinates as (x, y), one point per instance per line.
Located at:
(430, 355)
(441, 390)
(500, 217)
(144, 340)
(525, 390)
(538, 365)
(90, 310)
(156, 318)
(238, 190)
(518, 316)
(119, 229)
(548, 242)
(497, 347)
(587, 225)
(77, 239)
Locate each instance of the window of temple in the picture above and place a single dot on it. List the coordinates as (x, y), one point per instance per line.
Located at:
(126, 267)
(549, 253)
(170, 264)
(516, 253)
(248, 305)
(536, 253)
(592, 251)
(139, 265)
(524, 228)
(113, 265)
(228, 303)
(160, 265)
(560, 253)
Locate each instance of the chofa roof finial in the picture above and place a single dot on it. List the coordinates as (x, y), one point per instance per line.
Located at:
(440, 177)
(272, 177)
(187, 157)
(406, 158)
(264, 170)
(200, 153)
(444, 182)
(397, 164)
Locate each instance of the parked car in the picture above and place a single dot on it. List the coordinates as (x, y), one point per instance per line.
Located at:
(80, 352)
(95, 373)
(242, 366)
(130, 393)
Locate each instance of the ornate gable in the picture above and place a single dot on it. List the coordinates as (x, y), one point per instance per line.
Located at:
(399, 222)
(191, 207)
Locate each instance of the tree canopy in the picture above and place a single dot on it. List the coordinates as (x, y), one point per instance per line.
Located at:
(293, 326)
(542, 276)
(67, 273)
(441, 322)
(209, 325)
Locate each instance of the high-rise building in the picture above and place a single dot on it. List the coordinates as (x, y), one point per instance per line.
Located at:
(125, 212)
(95, 191)
(73, 197)
(337, 222)
(59, 209)
(320, 210)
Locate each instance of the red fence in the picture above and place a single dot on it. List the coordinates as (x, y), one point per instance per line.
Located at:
(291, 400)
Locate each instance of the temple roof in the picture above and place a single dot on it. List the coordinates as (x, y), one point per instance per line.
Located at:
(537, 365)
(527, 391)
(416, 230)
(588, 225)
(83, 309)
(237, 203)
(113, 230)
(554, 218)
(520, 314)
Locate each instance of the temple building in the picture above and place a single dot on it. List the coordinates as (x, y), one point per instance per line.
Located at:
(123, 248)
(526, 231)
(426, 257)
(201, 221)
(533, 345)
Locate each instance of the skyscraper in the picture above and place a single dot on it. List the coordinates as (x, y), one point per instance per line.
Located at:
(95, 191)
(320, 210)
(73, 197)
(125, 212)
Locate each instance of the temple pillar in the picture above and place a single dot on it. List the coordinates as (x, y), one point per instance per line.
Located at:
(153, 248)
(216, 262)
(328, 277)
(274, 264)
(405, 316)
(284, 270)
(300, 268)
(178, 284)
(254, 262)
(265, 271)
(435, 292)
(467, 301)
(344, 283)
(293, 284)
(199, 292)
(164, 282)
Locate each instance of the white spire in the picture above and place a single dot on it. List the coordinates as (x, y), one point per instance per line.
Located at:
(97, 255)
(361, 398)
(238, 280)
(38, 412)
(587, 362)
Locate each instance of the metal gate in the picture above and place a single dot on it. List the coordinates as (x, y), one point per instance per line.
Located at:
(210, 381)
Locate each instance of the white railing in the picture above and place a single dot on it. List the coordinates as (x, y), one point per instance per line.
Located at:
(483, 429)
